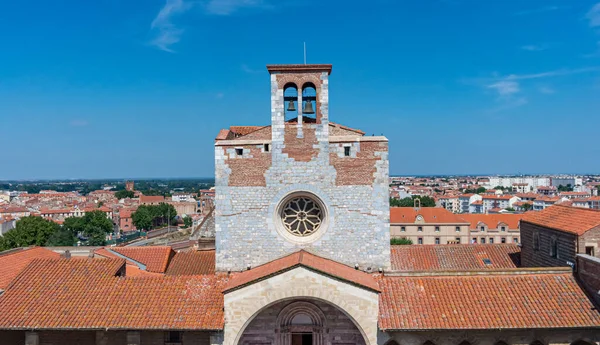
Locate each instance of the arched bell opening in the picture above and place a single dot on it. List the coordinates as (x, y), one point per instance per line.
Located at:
(290, 98)
(309, 101)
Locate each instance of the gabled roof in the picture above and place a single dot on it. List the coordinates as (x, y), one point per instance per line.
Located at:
(151, 198)
(86, 294)
(454, 257)
(155, 258)
(574, 220)
(192, 263)
(303, 259)
(488, 301)
(433, 215)
(14, 261)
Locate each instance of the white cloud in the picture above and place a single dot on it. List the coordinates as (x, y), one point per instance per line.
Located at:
(534, 48)
(555, 73)
(227, 7)
(167, 33)
(539, 10)
(594, 15)
(505, 87)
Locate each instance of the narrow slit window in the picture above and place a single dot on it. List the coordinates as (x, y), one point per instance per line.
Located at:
(346, 151)
(267, 147)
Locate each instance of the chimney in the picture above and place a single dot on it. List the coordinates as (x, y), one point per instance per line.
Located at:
(66, 254)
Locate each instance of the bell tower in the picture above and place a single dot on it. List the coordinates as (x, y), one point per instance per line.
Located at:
(302, 182)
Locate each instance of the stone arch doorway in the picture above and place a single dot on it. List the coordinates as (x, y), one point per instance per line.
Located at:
(301, 322)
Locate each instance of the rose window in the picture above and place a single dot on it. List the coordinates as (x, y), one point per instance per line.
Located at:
(302, 216)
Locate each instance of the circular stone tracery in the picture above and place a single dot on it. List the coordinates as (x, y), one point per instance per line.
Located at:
(301, 216)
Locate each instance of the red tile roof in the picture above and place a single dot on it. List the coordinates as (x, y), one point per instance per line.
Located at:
(243, 130)
(454, 257)
(575, 220)
(151, 198)
(155, 258)
(13, 262)
(308, 260)
(84, 294)
(491, 301)
(400, 215)
(192, 263)
(497, 197)
(492, 220)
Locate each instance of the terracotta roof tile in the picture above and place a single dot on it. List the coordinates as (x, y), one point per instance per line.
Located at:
(575, 220)
(66, 294)
(151, 198)
(492, 220)
(15, 261)
(305, 259)
(399, 215)
(192, 263)
(454, 257)
(490, 301)
(155, 258)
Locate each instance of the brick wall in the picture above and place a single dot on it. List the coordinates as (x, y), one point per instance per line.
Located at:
(590, 239)
(300, 149)
(588, 274)
(531, 257)
(250, 169)
(361, 166)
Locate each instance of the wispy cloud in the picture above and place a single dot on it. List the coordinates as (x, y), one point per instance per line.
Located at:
(534, 47)
(505, 87)
(250, 70)
(167, 33)
(78, 123)
(227, 7)
(555, 73)
(539, 10)
(594, 15)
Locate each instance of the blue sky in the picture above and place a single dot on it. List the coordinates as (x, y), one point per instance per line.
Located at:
(124, 88)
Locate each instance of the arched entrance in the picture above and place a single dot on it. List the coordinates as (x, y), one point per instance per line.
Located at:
(301, 322)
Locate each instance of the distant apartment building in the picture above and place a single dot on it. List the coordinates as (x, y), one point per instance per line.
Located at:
(547, 190)
(182, 197)
(493, 228)
(125, 220)
(566, 181)
(527, 196)
(59, 215)
(575, 195)
(7, 224)
(500, 202)
(591, 202)
(554, 236)
(543, 202)
(476, 206)
(450, 203)
(428, 225)
(521, 188)
(533, 182)
(14, 212)
(466, 200)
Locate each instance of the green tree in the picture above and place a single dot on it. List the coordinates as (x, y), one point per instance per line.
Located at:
(142, 218)
(187, 221)
(122, 194)
(94, 227)
(61, 237)
(410, 201)
(29, 231)
(510, 209)
(567, 188)
(527, 206)
(401, 241)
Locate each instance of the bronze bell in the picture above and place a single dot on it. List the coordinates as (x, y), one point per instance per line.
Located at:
(308, 108)
(291, 106)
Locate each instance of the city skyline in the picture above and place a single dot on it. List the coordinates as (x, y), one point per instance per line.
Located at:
(457, 86)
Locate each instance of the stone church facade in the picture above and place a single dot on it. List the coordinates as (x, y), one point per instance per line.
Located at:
(302, 257)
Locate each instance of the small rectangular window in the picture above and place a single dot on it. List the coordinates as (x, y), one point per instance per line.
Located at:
(437, 229)
(503, 228)
(483, 240)
(402, 228)
(173, 337)
(457, 240)
(589, 251)
(474, 240)
(458, 229)
(420, 240)
(437, 240)
(267, 147)
(503, 240)
(239, 151)
(515, 240)
(347, 151)
(420, 228)
(482, 228)
(491, 240)
(536, 241)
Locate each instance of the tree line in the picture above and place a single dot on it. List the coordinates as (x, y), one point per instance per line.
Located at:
(148, 217)
(426, 201)
(89, 230)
